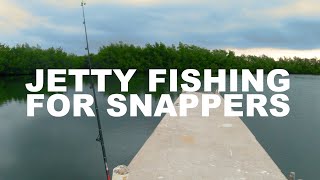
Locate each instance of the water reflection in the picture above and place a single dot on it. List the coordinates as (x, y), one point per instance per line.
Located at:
(45, 147)
(64, 148)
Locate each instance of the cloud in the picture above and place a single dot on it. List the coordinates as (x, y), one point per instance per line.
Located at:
(278, 53)
(297, 8)
(292, 33)
(286, 24)
(13, 18)
(75, 3)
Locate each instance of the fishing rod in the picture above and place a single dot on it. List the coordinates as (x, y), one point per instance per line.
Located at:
(100, 136)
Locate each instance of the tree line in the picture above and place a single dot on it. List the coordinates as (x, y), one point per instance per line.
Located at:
(25, 59)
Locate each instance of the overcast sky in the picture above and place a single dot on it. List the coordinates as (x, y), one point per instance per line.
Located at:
(273, 27)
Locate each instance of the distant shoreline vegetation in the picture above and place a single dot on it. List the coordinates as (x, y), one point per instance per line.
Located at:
(25, 59)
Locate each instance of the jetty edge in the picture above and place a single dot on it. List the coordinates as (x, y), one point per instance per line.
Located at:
(203, 148)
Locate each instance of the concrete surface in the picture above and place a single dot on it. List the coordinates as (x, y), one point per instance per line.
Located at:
(203, 148)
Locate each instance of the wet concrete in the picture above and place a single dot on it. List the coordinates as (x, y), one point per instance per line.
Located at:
(203, 148)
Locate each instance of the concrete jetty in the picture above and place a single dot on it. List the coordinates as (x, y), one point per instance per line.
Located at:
(203, 148)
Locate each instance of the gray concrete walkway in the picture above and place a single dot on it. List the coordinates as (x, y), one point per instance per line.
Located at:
(203, 148)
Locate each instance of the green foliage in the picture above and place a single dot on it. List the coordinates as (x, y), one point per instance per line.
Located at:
(24, 59)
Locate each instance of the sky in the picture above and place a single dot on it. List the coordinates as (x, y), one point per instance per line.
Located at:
(276, 28)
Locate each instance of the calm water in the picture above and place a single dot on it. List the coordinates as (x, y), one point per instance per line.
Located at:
(293, 142)
(65, 148)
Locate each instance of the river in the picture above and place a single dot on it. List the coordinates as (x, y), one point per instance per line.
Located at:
(50, 148)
